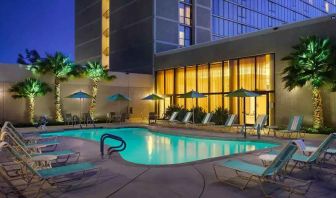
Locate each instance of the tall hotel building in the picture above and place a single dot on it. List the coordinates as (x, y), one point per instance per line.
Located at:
(212, 46)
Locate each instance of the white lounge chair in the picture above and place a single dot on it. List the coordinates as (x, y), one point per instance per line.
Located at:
(259, 124)
(294, 126)
(308, 150)
(173, 116)
(230, 121)
(186, 119)
(207, 119)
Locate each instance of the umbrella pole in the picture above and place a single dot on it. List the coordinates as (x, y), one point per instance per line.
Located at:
(193, 111)
(244, 117)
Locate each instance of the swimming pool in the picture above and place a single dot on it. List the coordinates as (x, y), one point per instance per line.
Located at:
(151, 148)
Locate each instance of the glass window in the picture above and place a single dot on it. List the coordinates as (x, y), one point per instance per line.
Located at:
(184, 36)
(179, 81)
(264, 73)
(185, 23)
(160, 82)
(246, 73)
(169, 82)
(202, 78)
(216, 77)
(190, 78)
(215, 101)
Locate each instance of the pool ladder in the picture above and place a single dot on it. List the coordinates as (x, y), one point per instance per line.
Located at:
(111, 149)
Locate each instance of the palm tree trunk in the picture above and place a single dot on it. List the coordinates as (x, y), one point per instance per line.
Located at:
(318, 121)
(58, 108)
(94, 99)
(31, 109)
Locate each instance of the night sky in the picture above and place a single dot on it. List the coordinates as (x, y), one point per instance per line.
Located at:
(44, 25)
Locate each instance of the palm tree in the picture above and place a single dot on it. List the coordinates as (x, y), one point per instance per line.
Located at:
(96, 72)
(62, 68)
(58, 64)
(311, 63)
(30, 88)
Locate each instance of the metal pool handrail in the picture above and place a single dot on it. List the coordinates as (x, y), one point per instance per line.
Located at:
(111, 149)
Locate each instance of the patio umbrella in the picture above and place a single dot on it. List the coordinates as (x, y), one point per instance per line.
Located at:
(81, 96)
(243, 93)
(193, 94)
(117, 98)
(152, 97)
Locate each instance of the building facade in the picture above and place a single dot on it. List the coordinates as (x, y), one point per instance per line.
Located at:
(236, 17)
(125, 34)
(252, 61)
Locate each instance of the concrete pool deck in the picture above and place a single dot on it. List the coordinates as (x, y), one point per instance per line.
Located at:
(122, 179)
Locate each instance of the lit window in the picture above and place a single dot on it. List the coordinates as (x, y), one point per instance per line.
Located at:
(184, 36)
(326, 6)
(185, 23)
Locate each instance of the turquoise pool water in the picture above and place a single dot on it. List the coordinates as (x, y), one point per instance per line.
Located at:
(151, 148)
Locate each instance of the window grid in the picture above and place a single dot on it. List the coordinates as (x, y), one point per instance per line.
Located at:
(235, 17)
(185, 20)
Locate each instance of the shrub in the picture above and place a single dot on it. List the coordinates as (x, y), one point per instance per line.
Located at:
(171, 109)
(199, 114)
(220, 116)
(323, 130)
(181, 114)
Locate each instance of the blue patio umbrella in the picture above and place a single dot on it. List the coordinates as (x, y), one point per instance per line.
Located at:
(193, 94)
(118, 97)
(243, 93)
(153, 97)
(80, 95)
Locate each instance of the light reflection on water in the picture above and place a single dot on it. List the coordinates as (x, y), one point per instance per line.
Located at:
(145, 147)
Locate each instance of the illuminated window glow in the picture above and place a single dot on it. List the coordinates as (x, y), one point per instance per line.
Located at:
(216, 80)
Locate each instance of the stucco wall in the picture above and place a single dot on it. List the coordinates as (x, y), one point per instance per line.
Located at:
(278, 41)
(136, 86)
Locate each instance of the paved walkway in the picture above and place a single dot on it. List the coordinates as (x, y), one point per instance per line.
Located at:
(122, 179)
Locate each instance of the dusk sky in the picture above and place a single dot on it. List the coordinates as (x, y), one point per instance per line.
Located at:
(44, 25)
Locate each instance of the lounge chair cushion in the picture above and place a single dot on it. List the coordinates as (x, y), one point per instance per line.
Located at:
(244, 167)
(42, 144)
(57, 153)
(64, 170)
(331, 151)
(300, 157)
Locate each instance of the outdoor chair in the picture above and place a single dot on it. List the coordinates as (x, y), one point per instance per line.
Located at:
(294, 126)
(87, 119)
(42, 123)
(207, 120)
(173, 116)
(261, 174)
(62, 156)
(304, 161)
(63, 178)
(110, 117)
(75, 120)
(186, 119)
(308, 150)
(259, 125)
(68, 119)
(230, 121)
(152, 117)
(34, 142)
